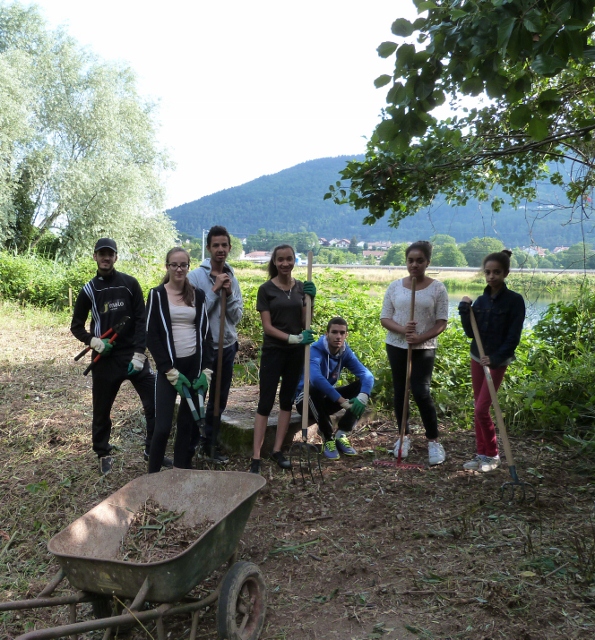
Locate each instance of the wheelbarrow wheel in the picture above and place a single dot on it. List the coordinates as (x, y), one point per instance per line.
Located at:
(106, 607)
(242, 603)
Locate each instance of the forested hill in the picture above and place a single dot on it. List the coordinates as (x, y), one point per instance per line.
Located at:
(292, 201)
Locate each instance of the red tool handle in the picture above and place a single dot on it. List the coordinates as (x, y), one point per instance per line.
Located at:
(96, 358)
(86, 349)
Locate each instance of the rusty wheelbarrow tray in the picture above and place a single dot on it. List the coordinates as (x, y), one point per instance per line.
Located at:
(87, 550)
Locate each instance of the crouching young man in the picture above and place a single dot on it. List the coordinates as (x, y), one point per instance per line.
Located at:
(328, 357)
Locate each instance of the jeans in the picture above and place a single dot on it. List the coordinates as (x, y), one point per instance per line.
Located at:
(485, 432)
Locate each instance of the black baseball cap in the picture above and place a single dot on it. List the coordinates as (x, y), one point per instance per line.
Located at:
(105, 243)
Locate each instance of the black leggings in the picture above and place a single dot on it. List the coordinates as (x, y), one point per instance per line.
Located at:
(187, 429)
(422, 365)
(277, 363)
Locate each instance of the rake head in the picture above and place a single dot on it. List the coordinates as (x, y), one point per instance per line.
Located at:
(306, 457)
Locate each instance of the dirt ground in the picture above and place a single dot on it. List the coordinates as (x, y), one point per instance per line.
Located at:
(366, 551)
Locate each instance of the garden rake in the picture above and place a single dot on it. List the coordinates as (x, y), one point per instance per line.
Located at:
(526, 491)
(302, 451)
(398, 463)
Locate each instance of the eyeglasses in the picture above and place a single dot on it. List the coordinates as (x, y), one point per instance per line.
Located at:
(175, 266)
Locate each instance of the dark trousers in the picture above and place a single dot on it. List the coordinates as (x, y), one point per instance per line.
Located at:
(278, 363)
(321, 408)
(229, 354)
(108, 375)
(422, 366)
(187, 429)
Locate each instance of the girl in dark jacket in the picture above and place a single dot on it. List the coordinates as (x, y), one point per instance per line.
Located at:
(500, 314)
(179, 340)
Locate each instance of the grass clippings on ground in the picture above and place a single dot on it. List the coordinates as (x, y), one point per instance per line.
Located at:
(371, 552)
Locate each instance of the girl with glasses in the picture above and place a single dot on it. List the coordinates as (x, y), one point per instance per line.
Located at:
(179, 340)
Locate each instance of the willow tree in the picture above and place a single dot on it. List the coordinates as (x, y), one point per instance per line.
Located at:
(79, 155)
(518, 79)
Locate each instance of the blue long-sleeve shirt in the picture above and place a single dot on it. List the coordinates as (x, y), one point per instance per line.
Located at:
(325, 369)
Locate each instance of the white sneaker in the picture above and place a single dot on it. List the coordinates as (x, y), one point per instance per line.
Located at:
(489, 464)
(436, 453)
(473, 465)
(405, 449)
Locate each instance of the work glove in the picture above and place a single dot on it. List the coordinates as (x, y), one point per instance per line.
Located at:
(358, 405)
(346, 405)
(178, 380)
(136, 364)
(310, 289)
(305, 337)
(203, 382)
(101, 345)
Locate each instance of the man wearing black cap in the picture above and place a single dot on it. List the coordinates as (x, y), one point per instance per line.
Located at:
(110, 296)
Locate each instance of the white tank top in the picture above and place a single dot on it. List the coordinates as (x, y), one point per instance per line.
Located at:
(183, 329)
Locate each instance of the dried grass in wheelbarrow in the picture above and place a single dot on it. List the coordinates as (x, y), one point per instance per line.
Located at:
(156, 534)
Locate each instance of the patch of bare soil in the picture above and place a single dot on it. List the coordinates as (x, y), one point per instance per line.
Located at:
(365, 552)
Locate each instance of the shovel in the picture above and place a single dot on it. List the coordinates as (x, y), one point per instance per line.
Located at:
(508, 489)
(304, 451)
(398, 463)
(217, 401)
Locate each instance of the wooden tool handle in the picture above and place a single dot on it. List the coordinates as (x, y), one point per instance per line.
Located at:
(305, 409)
(493, 392)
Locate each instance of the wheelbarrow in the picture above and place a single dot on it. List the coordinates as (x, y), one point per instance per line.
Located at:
(87, 552)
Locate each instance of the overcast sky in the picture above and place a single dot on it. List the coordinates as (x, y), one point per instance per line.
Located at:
(245, 88)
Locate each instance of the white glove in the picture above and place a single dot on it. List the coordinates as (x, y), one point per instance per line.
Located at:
(294, 338)
(345, 405)
(138, 361)
(208, 375)
(172, 375)
(97, 344)
(363, 398)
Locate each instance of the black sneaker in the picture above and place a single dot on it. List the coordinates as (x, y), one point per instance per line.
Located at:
(204, 452)
(167, 463)
(281, 460)
(255, 466)
(105, 465)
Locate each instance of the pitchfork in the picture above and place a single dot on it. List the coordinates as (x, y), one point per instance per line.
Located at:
(303, 451)
(508, 489)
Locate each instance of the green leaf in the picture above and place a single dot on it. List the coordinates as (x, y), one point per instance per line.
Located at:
(386, 49)
(520, 116)
(382, 80)
(425, 6)
(402, 27)
(397, 94)
(472, 86)
(505, 31)
(547, 65)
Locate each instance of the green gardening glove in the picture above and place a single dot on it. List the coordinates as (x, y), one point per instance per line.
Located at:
(358, 405)
(102, 345)
(310, 289)
(178, 380)
(201, 384)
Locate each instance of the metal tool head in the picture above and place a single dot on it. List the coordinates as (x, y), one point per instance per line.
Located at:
(117, 328)
(518, 491)
(305, 456)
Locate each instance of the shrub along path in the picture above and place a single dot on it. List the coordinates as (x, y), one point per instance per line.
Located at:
(372, 552)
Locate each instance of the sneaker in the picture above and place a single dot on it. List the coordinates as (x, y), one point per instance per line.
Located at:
(204, 451)
(255, 466)
(436, 453)
(473, 465)
(405, 449)
(330, 450)
(167, 463)
(281, 460)
(488, 464)
(344, 446)
(105, 465)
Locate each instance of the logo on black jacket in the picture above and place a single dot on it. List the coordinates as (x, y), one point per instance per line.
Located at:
(112, 305)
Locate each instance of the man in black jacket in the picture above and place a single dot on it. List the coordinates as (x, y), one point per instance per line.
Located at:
(110, 296)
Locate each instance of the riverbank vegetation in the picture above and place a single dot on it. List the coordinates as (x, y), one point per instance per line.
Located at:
(547, 390)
